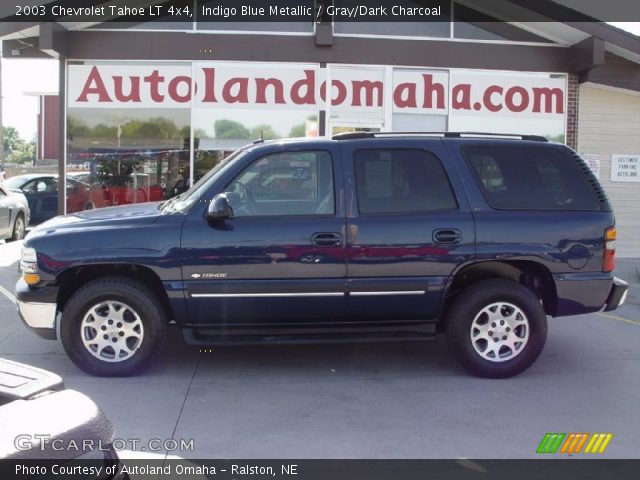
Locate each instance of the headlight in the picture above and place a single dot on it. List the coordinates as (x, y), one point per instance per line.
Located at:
(29, 266)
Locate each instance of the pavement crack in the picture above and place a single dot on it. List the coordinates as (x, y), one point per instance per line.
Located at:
(184, 402)
(11, 334)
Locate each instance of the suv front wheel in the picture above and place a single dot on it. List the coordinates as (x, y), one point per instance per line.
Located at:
(113, 326)
(496, 328)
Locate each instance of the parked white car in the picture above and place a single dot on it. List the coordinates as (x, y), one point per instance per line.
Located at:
(14, 214)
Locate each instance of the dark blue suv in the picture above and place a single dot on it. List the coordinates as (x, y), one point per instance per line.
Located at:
(359, 237)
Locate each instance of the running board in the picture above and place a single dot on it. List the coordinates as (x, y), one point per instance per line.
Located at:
(194, 337)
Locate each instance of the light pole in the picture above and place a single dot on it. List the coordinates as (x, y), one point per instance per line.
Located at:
(1, 127)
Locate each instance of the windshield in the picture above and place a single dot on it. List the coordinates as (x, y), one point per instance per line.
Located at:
(14, 183)
(184, 201)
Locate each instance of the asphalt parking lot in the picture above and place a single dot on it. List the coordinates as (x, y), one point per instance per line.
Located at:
(392, 400)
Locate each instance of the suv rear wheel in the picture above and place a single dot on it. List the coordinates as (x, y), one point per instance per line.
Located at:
(496, 328)
(113, 327)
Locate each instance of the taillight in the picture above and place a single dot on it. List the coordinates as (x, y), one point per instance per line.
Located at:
(609, 261)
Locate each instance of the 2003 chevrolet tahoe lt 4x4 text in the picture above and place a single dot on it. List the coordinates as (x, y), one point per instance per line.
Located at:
(359, 237)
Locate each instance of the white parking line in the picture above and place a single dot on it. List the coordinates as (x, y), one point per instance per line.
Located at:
(620, 319)
(8, 294)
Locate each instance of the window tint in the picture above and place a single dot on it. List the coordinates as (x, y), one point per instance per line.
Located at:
(529, 178)
(41, 185)
(30, 187)
(396, 181)
(286, 183)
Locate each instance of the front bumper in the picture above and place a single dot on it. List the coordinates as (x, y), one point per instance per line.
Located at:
(37, 308)
(617, 295)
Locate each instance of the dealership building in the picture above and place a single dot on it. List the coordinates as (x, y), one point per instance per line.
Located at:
(154, 105)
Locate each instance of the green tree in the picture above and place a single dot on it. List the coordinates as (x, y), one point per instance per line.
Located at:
(16, 148)
(264, 131)
(11, 139)
(300, 130)
(556, 138)
(154, 128)
(230, 129)
(25, 154)
(76, 128)
(104, 131)
(198, 132)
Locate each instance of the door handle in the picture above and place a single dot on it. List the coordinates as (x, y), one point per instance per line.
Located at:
(447, 235)
(326, 239)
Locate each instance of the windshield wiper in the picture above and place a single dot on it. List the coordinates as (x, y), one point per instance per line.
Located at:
(164, 206)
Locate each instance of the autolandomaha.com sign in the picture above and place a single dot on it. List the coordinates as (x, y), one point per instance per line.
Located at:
(300, 86)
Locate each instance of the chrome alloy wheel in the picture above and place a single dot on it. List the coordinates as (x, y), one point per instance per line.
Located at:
(19, 228)
(112, 331)
(500, 332)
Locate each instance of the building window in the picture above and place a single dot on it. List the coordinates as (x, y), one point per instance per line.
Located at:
(247, 102)
(126, 151)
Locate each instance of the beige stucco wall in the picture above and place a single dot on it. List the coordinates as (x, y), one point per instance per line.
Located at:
(609, 123)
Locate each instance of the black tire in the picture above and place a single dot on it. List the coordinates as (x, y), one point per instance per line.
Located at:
(19, 228)
(142, 306)
(508, 361)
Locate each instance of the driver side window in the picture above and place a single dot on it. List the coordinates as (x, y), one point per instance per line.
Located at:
(284, 184)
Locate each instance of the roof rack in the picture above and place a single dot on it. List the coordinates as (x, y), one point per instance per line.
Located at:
(359, 135)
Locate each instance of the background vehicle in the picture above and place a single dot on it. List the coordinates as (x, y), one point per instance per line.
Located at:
(84, 177)
(360, 237)
(14, 214)
(31, 404)
(114, 190)
(41, 191)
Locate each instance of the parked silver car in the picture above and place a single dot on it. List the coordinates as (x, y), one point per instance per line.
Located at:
(14, 214)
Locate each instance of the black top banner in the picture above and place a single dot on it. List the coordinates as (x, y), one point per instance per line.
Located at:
(227, 11)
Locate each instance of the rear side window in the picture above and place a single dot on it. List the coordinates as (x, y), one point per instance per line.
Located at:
(529, 178)
(401, 181)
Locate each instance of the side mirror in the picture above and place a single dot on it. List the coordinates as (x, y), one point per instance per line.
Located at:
(219, 208)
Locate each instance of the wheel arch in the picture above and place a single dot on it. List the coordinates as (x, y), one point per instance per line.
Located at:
(531, 274)
(70, 280)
